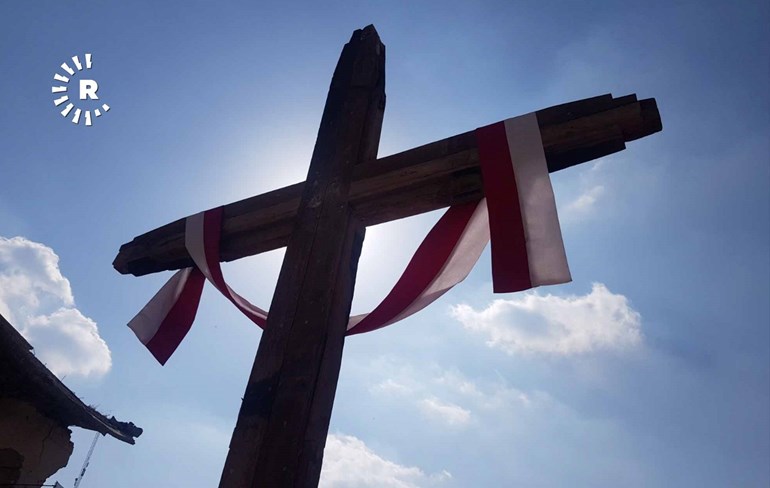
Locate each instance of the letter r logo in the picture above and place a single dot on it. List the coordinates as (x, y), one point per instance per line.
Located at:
(67, 100)
(88, 89)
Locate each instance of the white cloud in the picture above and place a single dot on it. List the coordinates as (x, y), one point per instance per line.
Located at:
(586, 201)
(548, 324)
(38, 301)
(458, 383)
(405, 382)
(449, 413)
(513, 426)
(389, 386)
(490, 396)
(350, 463)
(446, 396)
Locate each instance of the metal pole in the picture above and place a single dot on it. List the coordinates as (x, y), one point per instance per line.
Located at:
(85, 464)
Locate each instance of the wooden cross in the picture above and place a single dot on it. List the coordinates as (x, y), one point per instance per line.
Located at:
(284, 417)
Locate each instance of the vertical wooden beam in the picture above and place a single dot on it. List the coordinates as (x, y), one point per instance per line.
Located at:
(284, 418)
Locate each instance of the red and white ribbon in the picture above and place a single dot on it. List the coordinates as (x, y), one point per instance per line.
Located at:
(519, 213)
(202, 242)
(445, 257)
(527, 247)
(165, 320)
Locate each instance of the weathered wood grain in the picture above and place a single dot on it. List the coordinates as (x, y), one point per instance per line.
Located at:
(419, 180)
(284, 417)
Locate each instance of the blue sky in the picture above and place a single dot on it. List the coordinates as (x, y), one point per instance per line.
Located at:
(659, 375)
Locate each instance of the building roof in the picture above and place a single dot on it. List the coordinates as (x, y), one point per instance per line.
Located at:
(24, 377)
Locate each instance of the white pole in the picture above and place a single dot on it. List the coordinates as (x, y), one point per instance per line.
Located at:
(85, 464)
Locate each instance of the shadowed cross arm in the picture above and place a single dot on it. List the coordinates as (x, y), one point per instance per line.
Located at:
(415, 181)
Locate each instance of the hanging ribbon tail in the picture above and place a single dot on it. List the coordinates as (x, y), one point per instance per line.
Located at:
(444, 259)
(527, 246)
(165, 320)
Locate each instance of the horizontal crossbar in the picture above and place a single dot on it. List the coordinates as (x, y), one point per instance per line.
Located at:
(412, 182)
